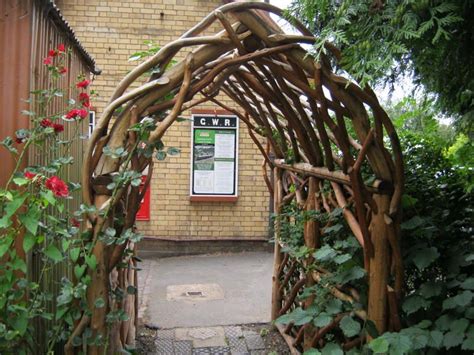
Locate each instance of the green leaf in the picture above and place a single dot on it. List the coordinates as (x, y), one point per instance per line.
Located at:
(430, 289)
(468, 344)
(425, 257)
(435, 339)
(412, 223)
(99, 303)
(79, 271)
(341, 259)
(53, 253)
(354, 273)
(349, 326)
(379, 346)
(48, 197)
(462, 299)
(469, 313)
(28, 242)
(452, 339)
(12, 206)
(399, 343)
(418, 337)
(20, 323)
(160, 155)
(312, 351)
(371, 329)
(18, 264)
(131, 290)
(333, 306)
(74, 253)
(31, 219)
(173, 151)
(325, 253)
(322, 320)
(299, 316)
(468, 284)
(331, 349)
(444, 322)
(5, 245)
(20, 181)
(413, 304)
(460, 325)
(91, 261)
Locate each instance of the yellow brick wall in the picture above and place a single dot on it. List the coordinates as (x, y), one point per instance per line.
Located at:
(111, 31)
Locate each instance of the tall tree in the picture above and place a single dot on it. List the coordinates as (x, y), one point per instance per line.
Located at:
(431, 40)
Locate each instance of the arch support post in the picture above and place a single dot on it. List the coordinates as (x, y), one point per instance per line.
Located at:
(379, 264)
(277, 200)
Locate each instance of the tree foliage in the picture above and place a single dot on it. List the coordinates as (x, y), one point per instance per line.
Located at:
(383, 40)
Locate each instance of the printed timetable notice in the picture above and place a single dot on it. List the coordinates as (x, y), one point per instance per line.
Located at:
(214, 155)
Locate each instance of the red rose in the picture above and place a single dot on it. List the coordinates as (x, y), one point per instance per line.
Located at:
(48, 60)
(84, 98)
(75, 223)
(58, 127)
(61, 47)
(83, 84)
(59, 187)
(62, 70)
(76, 114)
(46, 122)
(29, 175)
(52, 53)
(82, 113)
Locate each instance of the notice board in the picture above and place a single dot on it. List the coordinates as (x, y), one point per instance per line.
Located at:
(214, 155)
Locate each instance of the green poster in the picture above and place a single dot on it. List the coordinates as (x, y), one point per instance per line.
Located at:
(204, 136)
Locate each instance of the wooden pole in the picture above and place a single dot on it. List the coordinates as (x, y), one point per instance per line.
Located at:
(277, 198)
(379, 265)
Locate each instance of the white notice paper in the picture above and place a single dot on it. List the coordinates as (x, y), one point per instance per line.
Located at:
(203, 181)
(224, 177)
(224, 145)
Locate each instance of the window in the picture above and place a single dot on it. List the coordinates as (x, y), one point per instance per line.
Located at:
(91, 122)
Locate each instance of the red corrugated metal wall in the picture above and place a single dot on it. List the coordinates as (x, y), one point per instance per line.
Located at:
(15, 44)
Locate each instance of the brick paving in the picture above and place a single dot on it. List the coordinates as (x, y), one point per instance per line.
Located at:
(228, 340)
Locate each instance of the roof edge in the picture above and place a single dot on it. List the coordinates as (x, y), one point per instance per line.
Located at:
(53, 12)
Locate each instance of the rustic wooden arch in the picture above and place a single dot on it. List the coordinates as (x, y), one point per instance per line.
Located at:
(319, 127)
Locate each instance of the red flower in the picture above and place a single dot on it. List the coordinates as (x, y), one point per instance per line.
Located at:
(84, 98)
(61, 48)
(46, 122)
(29, 175)
(82, 113)
(76, 114)
(62, 70)
(58, 127)
(59, 187)
(52, 53)
(48, 60)
(75, 223)
(83, 84)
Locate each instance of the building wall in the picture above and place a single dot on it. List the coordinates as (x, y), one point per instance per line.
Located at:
(112, 31)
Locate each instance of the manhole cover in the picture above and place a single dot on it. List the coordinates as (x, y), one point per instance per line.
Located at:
(194, 292)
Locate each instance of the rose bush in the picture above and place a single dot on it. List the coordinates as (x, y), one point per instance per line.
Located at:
(34, 217)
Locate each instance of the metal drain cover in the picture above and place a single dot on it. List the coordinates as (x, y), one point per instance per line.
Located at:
(194, 292)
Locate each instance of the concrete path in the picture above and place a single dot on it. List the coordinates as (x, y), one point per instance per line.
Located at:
(206, 291)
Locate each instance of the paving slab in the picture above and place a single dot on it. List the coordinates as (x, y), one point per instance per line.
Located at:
(202, 337)
(208, 290)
